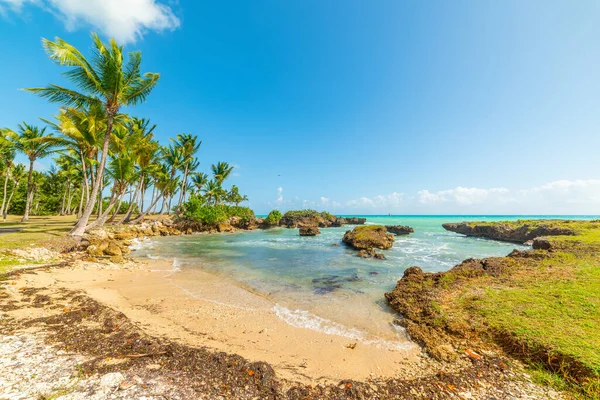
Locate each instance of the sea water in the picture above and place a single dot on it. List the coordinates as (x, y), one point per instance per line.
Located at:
(317, 282)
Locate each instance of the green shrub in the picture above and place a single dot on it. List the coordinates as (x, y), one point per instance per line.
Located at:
(273, 218)
(293, 214)
(197, 210)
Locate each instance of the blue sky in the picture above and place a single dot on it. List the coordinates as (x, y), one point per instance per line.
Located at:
(356, 107)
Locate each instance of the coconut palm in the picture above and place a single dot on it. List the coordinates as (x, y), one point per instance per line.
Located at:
(199, 180)
(235, 197)
(103, 81)
(221, 171)
(173, 157)
(18, 173)
(7, 157)
(213, 192)
(35, 144)
(189, 145)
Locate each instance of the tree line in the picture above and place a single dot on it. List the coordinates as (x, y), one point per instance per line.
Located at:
(97, 149)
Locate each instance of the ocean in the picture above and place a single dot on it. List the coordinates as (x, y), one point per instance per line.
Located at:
(316, 285)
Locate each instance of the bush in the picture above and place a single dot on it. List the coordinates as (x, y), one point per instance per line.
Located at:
(273, 218)
(197, 210)
(294, 214)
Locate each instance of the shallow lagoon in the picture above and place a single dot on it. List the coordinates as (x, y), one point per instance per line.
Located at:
(318, 285)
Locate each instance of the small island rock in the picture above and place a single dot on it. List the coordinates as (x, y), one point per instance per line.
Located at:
(309, 231)
(368, 237)
(399, 229)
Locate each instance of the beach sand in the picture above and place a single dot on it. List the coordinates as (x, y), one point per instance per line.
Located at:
(224, 316)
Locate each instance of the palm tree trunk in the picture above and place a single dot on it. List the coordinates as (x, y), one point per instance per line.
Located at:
(183, 187)
(12, 193)
(102, 217)
(127, 216)
(81, 225)
(112, 218)
(100, 199)
(70, 195)
(143, 214)
(5, 190)
(64, 201)
(80, 211)
(29, 192)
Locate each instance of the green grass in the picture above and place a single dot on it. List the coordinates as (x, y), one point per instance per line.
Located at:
(38, 231)
(552, 304)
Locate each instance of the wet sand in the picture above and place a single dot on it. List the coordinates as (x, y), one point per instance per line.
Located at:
(222, 315)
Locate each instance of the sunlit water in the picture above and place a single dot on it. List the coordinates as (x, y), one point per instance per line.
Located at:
(320, 286)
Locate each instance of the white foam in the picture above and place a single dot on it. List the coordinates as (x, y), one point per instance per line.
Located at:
(304, 319)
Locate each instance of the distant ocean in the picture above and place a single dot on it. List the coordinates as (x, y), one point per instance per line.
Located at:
(316, 285)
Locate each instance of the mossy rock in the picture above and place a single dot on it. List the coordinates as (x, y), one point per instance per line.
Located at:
(369, 237)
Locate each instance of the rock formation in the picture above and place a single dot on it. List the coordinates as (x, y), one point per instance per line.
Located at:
(399, 229)
(369, 237)
(309, 231)
(508, 232)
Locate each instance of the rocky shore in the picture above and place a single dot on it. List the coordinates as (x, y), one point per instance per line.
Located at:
(517, 232)
(511, 304)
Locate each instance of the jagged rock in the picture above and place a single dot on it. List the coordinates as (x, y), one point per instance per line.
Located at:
(368, 237)
(309, 231)
(366, 253)
(399, 229)
(113, 250)
(225, 228)
(371, 253)
(507, 232)
(541, 243)
(353, 221)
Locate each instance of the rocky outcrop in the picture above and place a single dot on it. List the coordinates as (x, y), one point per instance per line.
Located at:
(113, 242)
(508, 232)
(399, 229)
(371, 253)
(310, 231)
(541, 243)
(306, 218)
(369, 237)
(351, 221)
(417, 295)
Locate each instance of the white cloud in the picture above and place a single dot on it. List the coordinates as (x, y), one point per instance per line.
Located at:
(381, 202)
(125, 20)
(561, 197)
(461, 195)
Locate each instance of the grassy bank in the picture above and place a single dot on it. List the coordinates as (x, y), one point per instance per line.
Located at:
(541, 306)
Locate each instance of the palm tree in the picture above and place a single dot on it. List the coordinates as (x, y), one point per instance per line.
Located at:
(199, 180)
(18, 173)
(235, 197)
(189, 145)
(104, 81)
(213, 192)
(35, 144)
(7, 152)
(221, 171)
(173, 157)
(82, 131)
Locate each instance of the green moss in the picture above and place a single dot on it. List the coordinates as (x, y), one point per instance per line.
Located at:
(364, 231)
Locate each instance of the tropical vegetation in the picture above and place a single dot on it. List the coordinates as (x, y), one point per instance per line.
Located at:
(107, 166)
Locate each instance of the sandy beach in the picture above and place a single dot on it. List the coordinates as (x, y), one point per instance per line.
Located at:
(228, 318)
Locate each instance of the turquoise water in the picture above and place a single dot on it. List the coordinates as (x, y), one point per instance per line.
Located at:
(311, 280)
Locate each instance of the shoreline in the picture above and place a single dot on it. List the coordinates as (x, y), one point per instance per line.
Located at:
(144, 300)
(228, 317)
